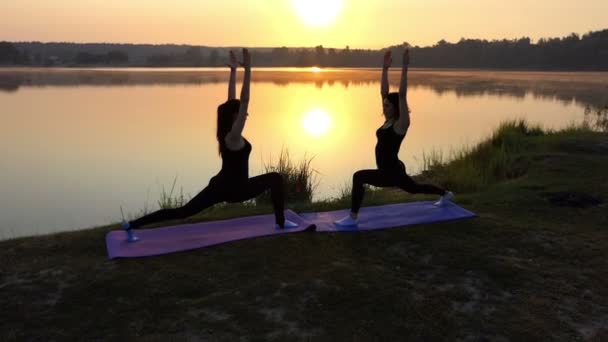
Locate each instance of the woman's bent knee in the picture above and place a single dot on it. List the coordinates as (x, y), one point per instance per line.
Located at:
(358, 177)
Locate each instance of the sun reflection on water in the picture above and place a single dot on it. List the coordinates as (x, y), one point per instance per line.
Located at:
(315, 69)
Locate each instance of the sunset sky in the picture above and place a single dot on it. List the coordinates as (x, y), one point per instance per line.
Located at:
(332, 23)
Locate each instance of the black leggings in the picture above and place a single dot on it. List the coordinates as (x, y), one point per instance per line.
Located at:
(386, 178)
(224, 190)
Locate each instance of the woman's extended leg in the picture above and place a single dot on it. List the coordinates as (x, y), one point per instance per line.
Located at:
(206, 198)
(406, 183)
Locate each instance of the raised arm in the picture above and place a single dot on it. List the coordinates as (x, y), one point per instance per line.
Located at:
(246, 83)
(388, 60)
(234, 137)
(232, 82)
(403, 123)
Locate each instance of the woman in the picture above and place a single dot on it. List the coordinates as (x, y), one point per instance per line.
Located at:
(232, 184)
(391, 171)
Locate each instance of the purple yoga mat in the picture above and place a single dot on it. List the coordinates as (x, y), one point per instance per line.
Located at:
(158, 241)
(389, 216)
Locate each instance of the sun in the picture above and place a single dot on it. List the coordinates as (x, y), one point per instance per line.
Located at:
(318, 12)
(316, 122)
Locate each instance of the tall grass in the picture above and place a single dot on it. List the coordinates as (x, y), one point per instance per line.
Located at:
(299, 178)
(498, 157)
(168, 201)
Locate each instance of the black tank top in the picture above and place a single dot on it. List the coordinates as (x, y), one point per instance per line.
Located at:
(235, 164)
(387, 148)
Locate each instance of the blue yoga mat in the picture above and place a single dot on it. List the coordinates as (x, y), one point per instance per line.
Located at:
(158, 241)
(389, 216)
(165, 240)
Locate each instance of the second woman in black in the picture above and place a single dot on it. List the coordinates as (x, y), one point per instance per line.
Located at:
(391, 171)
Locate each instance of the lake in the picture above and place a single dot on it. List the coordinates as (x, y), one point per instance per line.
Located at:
(77, 144)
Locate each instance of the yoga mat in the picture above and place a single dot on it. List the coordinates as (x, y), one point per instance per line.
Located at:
(158, 241)
(389, 216)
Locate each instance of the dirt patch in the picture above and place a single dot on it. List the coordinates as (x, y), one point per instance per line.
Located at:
(572, 199)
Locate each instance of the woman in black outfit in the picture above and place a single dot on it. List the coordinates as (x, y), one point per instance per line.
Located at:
(391, 171)
(232, 184)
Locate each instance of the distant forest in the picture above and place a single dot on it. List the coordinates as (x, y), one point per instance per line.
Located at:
(589, 52)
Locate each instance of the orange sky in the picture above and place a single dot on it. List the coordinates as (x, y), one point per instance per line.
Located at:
(359, 23)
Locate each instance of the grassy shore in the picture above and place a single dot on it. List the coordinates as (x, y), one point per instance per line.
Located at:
(532, 267)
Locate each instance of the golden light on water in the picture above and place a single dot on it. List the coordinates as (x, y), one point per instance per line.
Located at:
(318, 12)
(315, 69)
(316, 122)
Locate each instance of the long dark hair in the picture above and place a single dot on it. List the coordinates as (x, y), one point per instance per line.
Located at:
(225, 118)
(393, 98)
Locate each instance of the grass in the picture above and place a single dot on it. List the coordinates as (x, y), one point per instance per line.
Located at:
(168, 200)
(532, 267)
(299, 179)
(499, 158)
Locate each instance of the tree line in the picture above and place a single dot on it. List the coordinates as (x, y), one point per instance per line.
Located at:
(573, 52)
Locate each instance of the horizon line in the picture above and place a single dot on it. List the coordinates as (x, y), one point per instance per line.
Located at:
(533, 41)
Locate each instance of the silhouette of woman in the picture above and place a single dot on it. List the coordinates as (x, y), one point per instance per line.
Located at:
(391, 171)
(232, 184)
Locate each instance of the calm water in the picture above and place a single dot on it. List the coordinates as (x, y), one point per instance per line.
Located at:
(75, 145)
